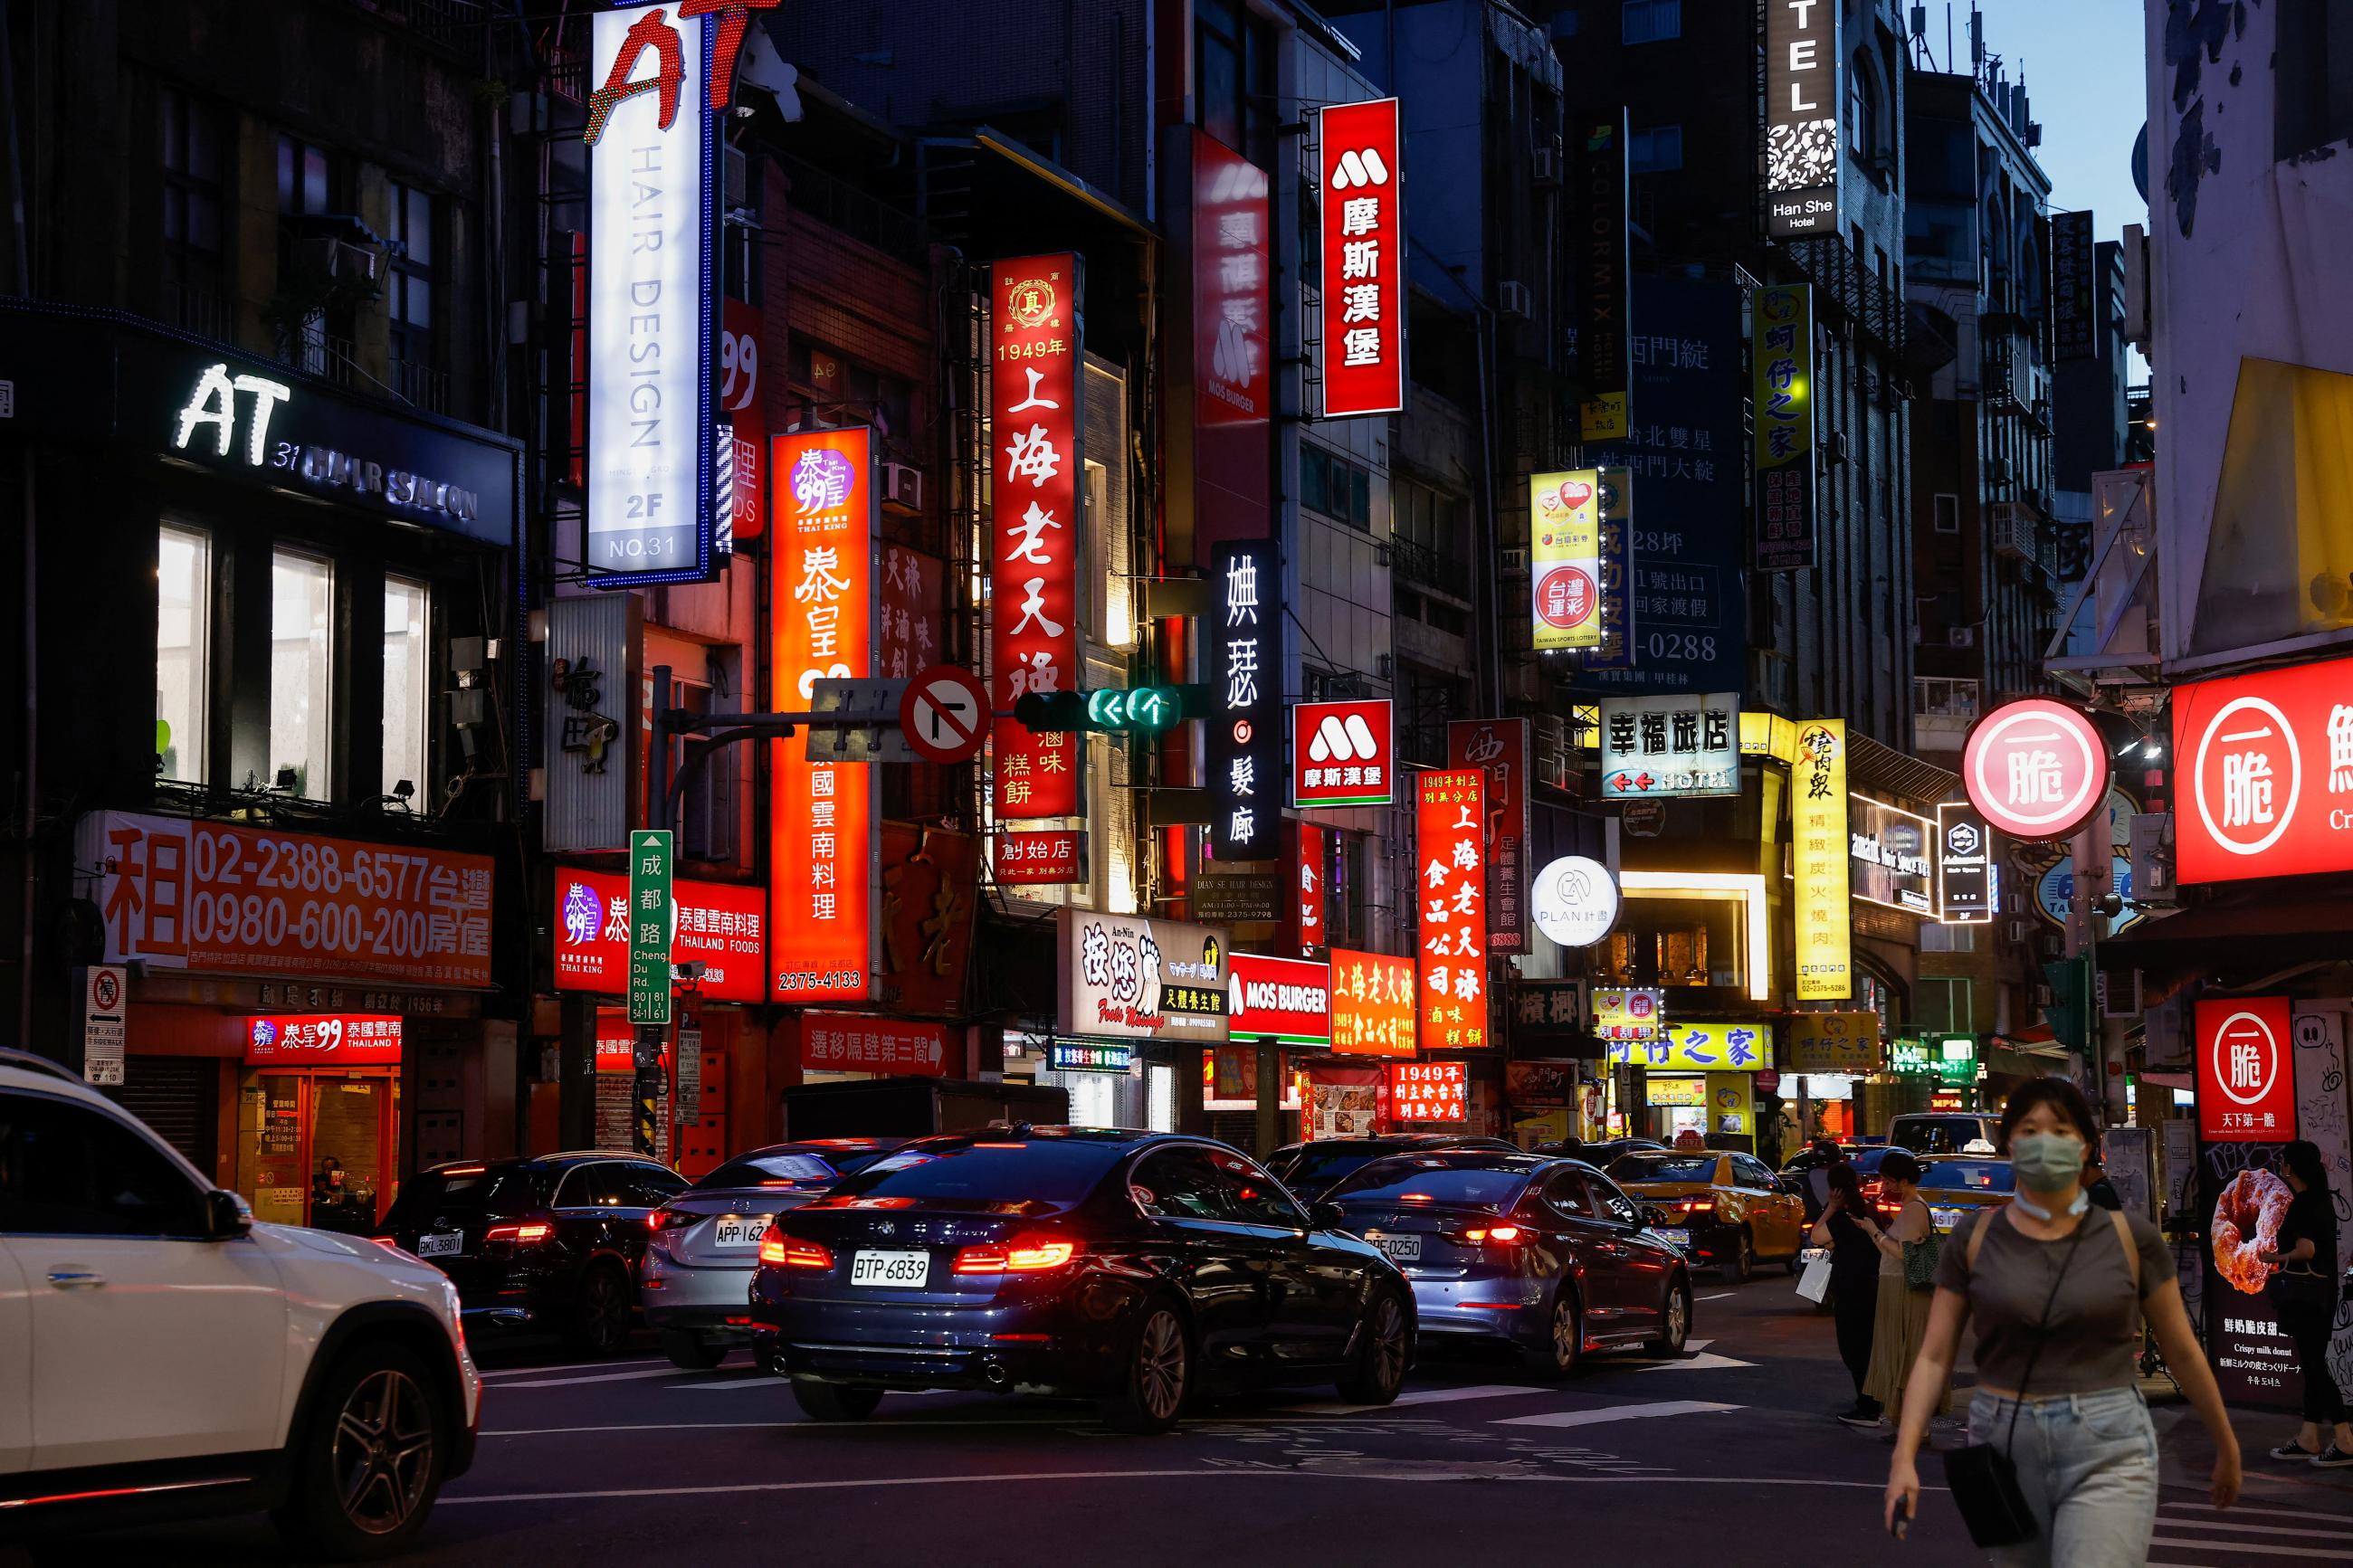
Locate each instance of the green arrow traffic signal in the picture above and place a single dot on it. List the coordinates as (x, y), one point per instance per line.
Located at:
(1145, 709)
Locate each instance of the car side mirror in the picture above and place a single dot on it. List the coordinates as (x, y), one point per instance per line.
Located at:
(226, 1216)
(1654, 1215)
(1327, 1216)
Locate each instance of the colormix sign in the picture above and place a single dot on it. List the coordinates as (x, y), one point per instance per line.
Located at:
(1681, 745)
(1286, 999)
(1818, 856)
(1372, 1003)
(1130, 977)
(720, 925)
(1785, 427)
(1342, 754)
(1244, 750)
(1499, 748)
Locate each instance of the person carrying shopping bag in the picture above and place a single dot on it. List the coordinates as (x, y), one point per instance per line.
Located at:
(1907, 1250)
(2061, 1462)
(1854, 1283)
(2304, 1292)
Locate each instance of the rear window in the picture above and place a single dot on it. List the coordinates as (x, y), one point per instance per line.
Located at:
(1970, 1175)
(1663, 1167)
(1937, 1135)
(1412, 1180)
(499, 1190)
(753, 1168)
(985, 1174)
(1317, 1168)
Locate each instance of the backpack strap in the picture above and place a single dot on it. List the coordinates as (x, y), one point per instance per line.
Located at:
(1977, 1224)
(2131, 1249)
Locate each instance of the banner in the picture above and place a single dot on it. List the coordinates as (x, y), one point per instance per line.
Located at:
(859, 1042)
(1785, 427)
(1286, 999)
(1681, 745)
(2263, 780)
(1362, 311)
(720, 925)
(1428, 1092)
(1565, 558)
(1342, 754)
(1450, 840)
(1705, 1048)
(1599, 259)
(2075, 323)
(1964, 865)
(1035, 543)
(1817, 856)
(1131, 977)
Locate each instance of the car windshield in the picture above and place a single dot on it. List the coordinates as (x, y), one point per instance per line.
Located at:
(1431, 1179)
(759, 1170)
(497, 1189)
(1663, 1167)
(1970, 1175)
(1011, 1175)
(1937, 1135)
(1319, 1165)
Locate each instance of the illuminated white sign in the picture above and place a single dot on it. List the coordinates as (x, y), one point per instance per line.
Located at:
(651, 298)
(214, 402)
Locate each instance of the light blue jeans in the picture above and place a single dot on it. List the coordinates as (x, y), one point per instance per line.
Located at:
(2087, 1464)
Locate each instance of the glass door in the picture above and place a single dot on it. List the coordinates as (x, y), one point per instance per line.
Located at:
(269, 1160)
(348, 1161)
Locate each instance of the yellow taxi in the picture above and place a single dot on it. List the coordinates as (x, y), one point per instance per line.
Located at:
(1957, 1185)
(1727, 1210)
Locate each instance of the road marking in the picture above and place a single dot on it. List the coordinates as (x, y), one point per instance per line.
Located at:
(1616, 1413)
(2251, 1546)
(1422, 1396)
(871, 1483)
(663, 1370)
(569, 1366)
(2255, 1529)
(1710, 1362)
(1721, 1296)
(2241, 1509)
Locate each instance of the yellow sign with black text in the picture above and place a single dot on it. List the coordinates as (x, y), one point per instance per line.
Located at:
(1818, 860)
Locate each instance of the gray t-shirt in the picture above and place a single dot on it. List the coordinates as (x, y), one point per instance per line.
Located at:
(2093, 1338)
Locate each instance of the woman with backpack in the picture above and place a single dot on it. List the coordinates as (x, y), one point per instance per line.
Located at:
(2061, 1465)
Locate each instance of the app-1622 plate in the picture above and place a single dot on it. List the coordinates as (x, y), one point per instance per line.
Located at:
(895, 1270)
(738, 1231)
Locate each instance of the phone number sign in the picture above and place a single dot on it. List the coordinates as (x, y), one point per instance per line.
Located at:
(176, 894)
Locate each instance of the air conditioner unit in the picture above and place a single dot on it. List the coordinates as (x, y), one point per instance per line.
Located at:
(2013, 930)
(1961, 637)
(2010, 530)
(1515, 299)
(738, 177)
(903, 488)
(1544, 166)
(1515, 558)
(1837, 447)
(342, 260)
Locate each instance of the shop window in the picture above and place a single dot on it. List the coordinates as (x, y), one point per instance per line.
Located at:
(707, 807)
(184, 579)
(1234, 79)
(190, 153)
(407, 670)
(301, 675)
(408, 300)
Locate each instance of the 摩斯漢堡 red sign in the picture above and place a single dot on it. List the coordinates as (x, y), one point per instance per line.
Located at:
(1364, 259)
(2035, 768)
(2246, 1080)
(1342, 754)
(2263, 774)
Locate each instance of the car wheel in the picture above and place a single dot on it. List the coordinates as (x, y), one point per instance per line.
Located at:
(1674, 1325)
(1796, 1263)
(600, 1312)
(1158, 1375)
(1564, 1346)
(1741, 1267)
(1384, 1346)
(694, 1352)
(834, 1401)
(371, 1457)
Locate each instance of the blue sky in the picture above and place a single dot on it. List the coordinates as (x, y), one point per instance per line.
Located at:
(2085, 82)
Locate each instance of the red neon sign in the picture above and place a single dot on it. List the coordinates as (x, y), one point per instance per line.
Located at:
(341, 1039)
(1342, 754)
(2246, 1083)
(1430, 1091)
(2265, 770)
(2035, 768)
(1363, 310)
(1449, 847)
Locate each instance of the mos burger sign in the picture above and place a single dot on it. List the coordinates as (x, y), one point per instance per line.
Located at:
(2035, 768)
(2265, 773)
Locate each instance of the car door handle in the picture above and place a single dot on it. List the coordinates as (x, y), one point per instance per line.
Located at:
(75, 1279)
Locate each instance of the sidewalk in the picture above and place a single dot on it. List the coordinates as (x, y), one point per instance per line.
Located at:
(2186, 1457)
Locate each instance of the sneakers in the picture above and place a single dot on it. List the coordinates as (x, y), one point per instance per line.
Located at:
(2332, 1458)
(1866, 1414)
(2291, 1452)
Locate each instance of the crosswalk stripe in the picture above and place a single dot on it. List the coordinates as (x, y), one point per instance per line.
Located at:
(1617, 1413)
(2241, 1510)
(2255, 1528)
(2254, 1547)
(664, 1371)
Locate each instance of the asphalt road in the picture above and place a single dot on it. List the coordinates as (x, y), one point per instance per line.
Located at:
(1727, 1454)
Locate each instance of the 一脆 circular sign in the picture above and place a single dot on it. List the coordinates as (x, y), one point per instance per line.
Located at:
(2035, 768)
(1574, 900)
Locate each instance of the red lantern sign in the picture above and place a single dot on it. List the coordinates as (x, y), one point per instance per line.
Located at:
(1364, 259)
(1342, 754)
(2246, 1082)
(2264, 764)
(2035, 768)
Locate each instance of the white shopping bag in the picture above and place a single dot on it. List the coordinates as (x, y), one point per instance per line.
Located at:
(1815, 1282)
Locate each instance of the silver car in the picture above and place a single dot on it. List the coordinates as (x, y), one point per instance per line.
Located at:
(696, 1276)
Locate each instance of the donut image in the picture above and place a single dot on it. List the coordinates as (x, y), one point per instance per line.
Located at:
(2247, 1224)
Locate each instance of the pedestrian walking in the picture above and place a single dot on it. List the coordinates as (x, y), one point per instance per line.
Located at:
(1854, 1283)
(2304, 1292)
(2062, 1467)
(1908, 1261)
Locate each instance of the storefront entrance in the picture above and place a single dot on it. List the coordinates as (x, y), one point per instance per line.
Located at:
(319, 1146)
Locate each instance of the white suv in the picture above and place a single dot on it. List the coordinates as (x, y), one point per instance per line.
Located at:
(163, 1354)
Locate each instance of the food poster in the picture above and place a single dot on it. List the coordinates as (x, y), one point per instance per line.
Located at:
(1345, 1102)
(2254, 1360)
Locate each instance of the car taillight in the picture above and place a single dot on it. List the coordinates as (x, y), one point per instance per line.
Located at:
(523, 1234)
(794, 1252)
(1507, 1235)
(1699, 1205)
(1022, 1255)
(670, 1219)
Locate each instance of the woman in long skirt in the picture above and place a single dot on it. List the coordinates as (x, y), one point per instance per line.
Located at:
(1901, 1321)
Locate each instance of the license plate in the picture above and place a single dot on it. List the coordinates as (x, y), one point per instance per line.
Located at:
(738, 1231)
(1400, 1248)
(1678, 1239)
(441, 1244)
(897, 1271)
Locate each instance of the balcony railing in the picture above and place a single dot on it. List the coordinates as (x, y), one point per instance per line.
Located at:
(424, 385)
(1416, 562)
(203, 311)
(1843, 281)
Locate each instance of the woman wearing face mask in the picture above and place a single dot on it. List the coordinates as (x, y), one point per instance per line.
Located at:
(2057, 1290)
(1900, 1321)
(2303, 1293)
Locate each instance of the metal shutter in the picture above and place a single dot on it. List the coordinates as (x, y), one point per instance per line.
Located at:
(179, 1098)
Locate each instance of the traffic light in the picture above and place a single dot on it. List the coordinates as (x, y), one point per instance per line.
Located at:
(1143, 709)
(2070, 1011)
(1048, 712)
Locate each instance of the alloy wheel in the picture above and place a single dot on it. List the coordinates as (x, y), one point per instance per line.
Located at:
(382, 1455)
(1678, 1323)
(1388, 1351)
(1565, 1336)
(1160, 1366)
(605, 1304)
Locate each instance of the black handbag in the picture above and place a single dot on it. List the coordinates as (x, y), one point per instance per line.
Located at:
(1982, 1478)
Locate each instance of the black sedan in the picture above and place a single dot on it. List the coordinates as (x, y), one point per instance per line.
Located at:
(1312, 1169)
(1136, 1267)
(1549, 1256)
(550, 1243)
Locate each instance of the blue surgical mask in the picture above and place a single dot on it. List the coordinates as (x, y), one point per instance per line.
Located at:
(2046, 1161)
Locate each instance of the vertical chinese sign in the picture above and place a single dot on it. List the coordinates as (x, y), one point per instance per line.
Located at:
(1034, 526)
(1232, 268)
(1602, 262)
(822, 853)
(1309, 894)
(650, 925)
(1362, 317)
(1818, 855)
(1450, 836)
(1614, 546)
(2074, 311)
(1498, 748)
(1565, 558)
(1785, 427)
(1244, 753)
(1802, 109)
